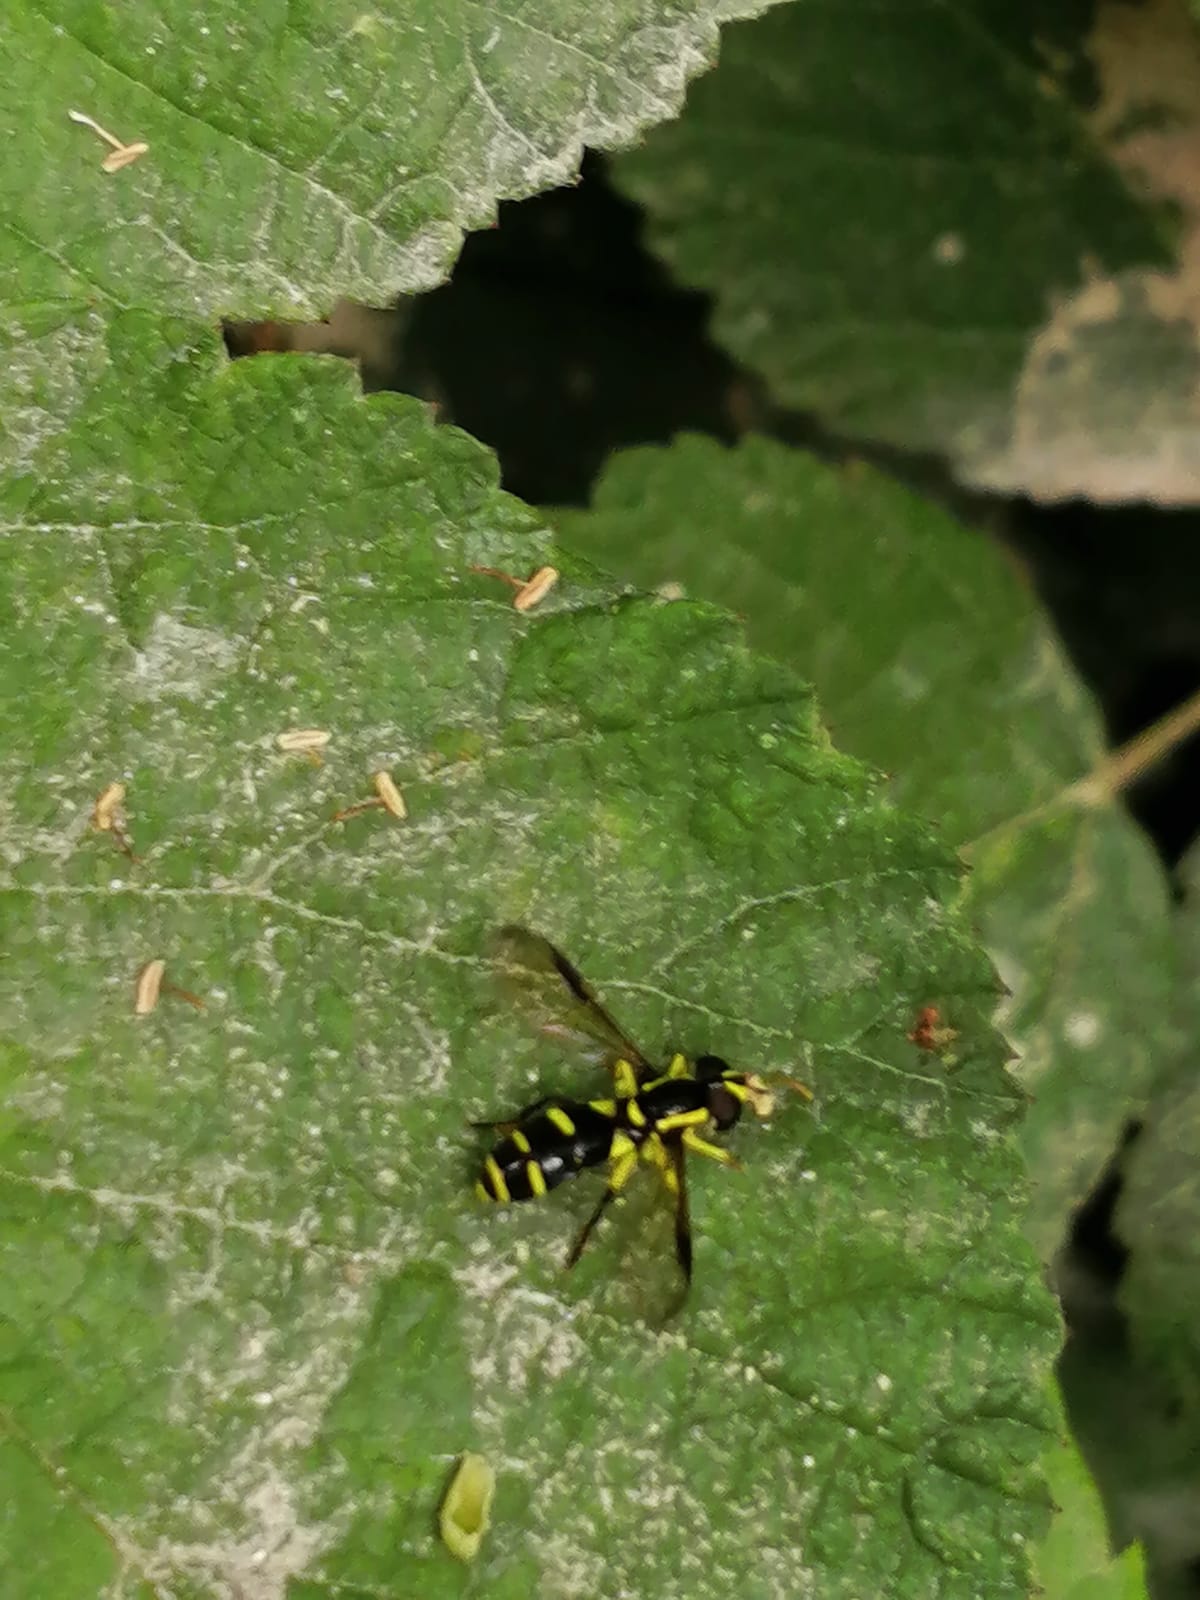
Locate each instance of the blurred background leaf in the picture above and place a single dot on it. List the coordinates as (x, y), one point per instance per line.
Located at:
(968, 228)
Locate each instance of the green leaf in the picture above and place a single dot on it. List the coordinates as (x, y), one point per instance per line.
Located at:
(1073, 1562)
(303, 152)
(1137, 1439)
(936, 667)
(1157, 1220)
(252, 1311)
(1158, 1214)
(913, 229)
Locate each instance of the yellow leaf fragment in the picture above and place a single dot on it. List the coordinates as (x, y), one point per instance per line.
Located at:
(464, 1513)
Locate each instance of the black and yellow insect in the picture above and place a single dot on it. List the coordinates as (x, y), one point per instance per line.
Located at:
(655, 1115)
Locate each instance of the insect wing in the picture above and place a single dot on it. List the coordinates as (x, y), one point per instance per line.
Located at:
(630, 1269)
(552, 993)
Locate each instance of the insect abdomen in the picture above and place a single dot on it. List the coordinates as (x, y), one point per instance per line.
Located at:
(545, 1150)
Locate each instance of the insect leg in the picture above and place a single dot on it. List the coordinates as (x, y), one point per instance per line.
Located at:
(625, 1081)
(671, 1161)
(622, 1170)
(702, 1147)
(676, 1180)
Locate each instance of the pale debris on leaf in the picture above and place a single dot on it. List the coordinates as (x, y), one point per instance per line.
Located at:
(149, 984)
(536, 590)
(106, 817)
(122, 154)
(389, 795)
(104, 813)
(529, 591)
(303, 740)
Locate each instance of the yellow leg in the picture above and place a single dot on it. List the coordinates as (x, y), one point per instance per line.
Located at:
(623, 1169)
(619, 1175)
(669, 1161)
(682, 1119)
(701, 1147)
(624, 1079)
(655, 1152)
(669, 1172)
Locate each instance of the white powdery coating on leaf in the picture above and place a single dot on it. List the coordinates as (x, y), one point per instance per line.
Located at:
(369, 218)
(521, 1337)
(178, 660)
(241, 1534)
(257, 1567)
(45, 384)
(569, 1572)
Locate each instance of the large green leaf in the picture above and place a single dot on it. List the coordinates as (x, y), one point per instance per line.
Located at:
(917, 225)
(251, 1311)
(302, 152)
(936, 666)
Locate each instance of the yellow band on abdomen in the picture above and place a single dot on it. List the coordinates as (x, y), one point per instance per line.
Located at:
(499, 1188)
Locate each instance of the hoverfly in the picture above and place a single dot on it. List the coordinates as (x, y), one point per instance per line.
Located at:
(654, 1114)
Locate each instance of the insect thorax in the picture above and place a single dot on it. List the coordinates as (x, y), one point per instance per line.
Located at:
(668, 1106)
